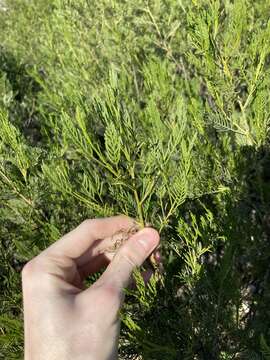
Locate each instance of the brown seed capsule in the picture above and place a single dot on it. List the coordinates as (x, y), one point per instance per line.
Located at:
(121, 236)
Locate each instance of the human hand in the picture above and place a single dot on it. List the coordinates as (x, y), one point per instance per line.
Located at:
(62, 319)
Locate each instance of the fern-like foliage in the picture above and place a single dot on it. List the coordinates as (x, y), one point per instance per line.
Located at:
(265, 348)
(159, 110)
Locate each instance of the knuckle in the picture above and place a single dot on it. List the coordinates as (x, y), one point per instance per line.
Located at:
(35, 276)
(30, 271)
(112, 295)
(107, 292)
(110, 290)
(130, 257)
(87, 223)
(85, 226)
(32, 268)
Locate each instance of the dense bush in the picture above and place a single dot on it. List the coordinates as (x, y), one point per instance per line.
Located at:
(159, 110)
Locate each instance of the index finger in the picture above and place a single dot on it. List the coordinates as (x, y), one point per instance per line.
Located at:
(75, 243)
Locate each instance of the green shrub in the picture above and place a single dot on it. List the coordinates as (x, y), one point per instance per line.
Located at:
(159, 110)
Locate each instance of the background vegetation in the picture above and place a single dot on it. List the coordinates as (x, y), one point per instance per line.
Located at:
(159, 110)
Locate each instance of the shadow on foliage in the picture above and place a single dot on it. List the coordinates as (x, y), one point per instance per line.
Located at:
(227, 311)
(22, 108)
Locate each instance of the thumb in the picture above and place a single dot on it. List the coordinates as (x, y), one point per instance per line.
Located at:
(131, 254)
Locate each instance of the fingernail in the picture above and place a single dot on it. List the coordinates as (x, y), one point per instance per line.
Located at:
(145, 243)
(147, 239)
(157, 256)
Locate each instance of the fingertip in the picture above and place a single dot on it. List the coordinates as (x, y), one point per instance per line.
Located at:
(149, 238)
(130, 255)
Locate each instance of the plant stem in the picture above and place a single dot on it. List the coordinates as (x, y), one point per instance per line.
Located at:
(139, 207)
(15, 190)
(138, 202)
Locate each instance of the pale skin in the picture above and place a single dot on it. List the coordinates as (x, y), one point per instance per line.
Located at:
(62, 318)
